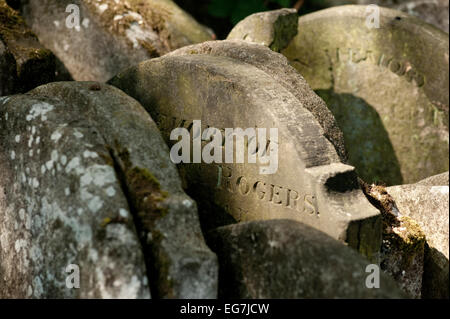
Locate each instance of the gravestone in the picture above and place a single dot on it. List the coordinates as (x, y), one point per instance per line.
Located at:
(432, 11)
(86, 179)
(387, 87)
(429, 205)
(278, 68)
(24, 62)
(289, 260)
(308, 182)
(437, 180)
(111, 35)
(273, 29)
(404, 241)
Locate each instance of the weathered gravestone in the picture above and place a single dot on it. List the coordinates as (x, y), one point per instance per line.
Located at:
(289, 260)
(279, 69)
(274, 30)
(436, 180)
(24, 62)
(387, 88)
(95, 40)
(432, 11)
(306, 182)
(86, 179)
(429, 206)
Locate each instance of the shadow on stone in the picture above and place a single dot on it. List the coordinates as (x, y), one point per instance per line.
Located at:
(369, 147)
(435, 275)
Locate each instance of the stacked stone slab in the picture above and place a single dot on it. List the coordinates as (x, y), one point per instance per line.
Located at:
(387, 88)
(24, 62)
(232, 87)
(111, 35)
(428, 203)
(289, 260)
(432, 11)
(86, 180)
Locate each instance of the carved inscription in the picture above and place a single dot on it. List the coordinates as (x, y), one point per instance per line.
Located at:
(250, 188)
(396, 66)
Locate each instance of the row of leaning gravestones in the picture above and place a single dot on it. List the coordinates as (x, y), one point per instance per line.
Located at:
(92, 205)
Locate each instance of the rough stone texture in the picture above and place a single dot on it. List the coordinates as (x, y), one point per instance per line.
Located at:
(112, 35)
(432, 11)
(436, 180)
(82, 165)
(402, 255)
(311, 184)
(273, 29)
(286, 259)
(277, 66)
(8, 73)
(24, 62)
(429, 206)
(402, 251)
(388, 88)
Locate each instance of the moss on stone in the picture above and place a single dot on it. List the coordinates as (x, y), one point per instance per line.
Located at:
(153, 17)
(410, 237)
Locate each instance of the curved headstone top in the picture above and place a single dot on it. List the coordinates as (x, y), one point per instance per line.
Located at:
(387, 86)
(24, 62)
(278, 67)
(86, 180)
(309, 182)
(275, 259)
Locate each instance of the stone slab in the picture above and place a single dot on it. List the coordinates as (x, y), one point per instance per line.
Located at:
(311, 184)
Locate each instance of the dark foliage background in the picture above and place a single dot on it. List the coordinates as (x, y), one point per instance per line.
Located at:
(222, 15)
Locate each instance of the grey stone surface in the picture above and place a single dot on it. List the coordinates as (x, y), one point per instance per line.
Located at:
(86, 179)
(112, 35)
(311, 184)
(286, 259)
(277, 66)
(273, 29)
(429, 206)
(24, 62)
(388, 88)
(403, 248)
(432, 11)
(436, 180)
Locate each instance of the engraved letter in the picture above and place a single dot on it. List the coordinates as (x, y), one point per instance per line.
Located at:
(184, 145)
(373, 16)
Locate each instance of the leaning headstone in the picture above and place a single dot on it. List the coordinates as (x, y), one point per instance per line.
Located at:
(24, 62)
(289, 260)
(86, 180)
(273, 29)
(306, 182)
(403, 248)
(95, 40)
(387, 88)
(434, 12)
(429, 206)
